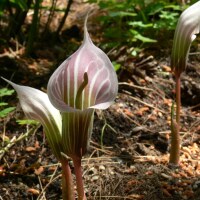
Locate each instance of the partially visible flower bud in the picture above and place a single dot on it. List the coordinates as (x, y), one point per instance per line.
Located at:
(187, 28)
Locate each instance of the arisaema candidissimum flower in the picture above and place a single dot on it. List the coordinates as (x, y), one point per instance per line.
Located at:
(83, 82)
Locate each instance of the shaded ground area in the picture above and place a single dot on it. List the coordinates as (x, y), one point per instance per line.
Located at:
(128, 155)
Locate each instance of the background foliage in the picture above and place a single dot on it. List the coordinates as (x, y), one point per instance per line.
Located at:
(131, 22)
(5, 109)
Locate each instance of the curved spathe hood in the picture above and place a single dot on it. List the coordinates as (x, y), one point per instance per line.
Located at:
(86, 79)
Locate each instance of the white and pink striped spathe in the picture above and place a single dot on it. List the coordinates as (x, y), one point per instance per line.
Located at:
(100, 87)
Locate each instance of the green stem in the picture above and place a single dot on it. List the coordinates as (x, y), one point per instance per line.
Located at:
(67, 182)
(64, 17)
(79, 180)
(51, 14)
(34, 28)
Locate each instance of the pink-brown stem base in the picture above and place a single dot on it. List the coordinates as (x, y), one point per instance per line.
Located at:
(79, 179)
(175, 126)
(67, 182)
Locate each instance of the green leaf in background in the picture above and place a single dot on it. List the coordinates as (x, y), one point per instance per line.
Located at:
(20, 3)
(137, 36)
(6, 111)
(168, 15)
(3, 104)
(121, 14)
(140, 24)
(2, 6)
(154, 8)
(144, 39)
(175, 7)
(6, 92)
(168, 20)
(116, 65)
(27, 122)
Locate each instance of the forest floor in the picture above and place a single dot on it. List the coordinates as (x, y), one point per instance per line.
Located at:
(129, 149)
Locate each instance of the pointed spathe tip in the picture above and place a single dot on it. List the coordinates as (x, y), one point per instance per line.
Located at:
(9, 82)
(86, 34)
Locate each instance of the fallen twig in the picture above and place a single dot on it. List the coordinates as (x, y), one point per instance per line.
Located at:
(146, 104)
(136, 86)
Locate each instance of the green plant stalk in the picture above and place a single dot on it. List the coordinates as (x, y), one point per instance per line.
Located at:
(67, 182)
(102, 134)
(175, 125)
(103, 129)
(33, 30)
(49, 20)
(79, 180)
(15, 140)
(64, 17)
(18, 22)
